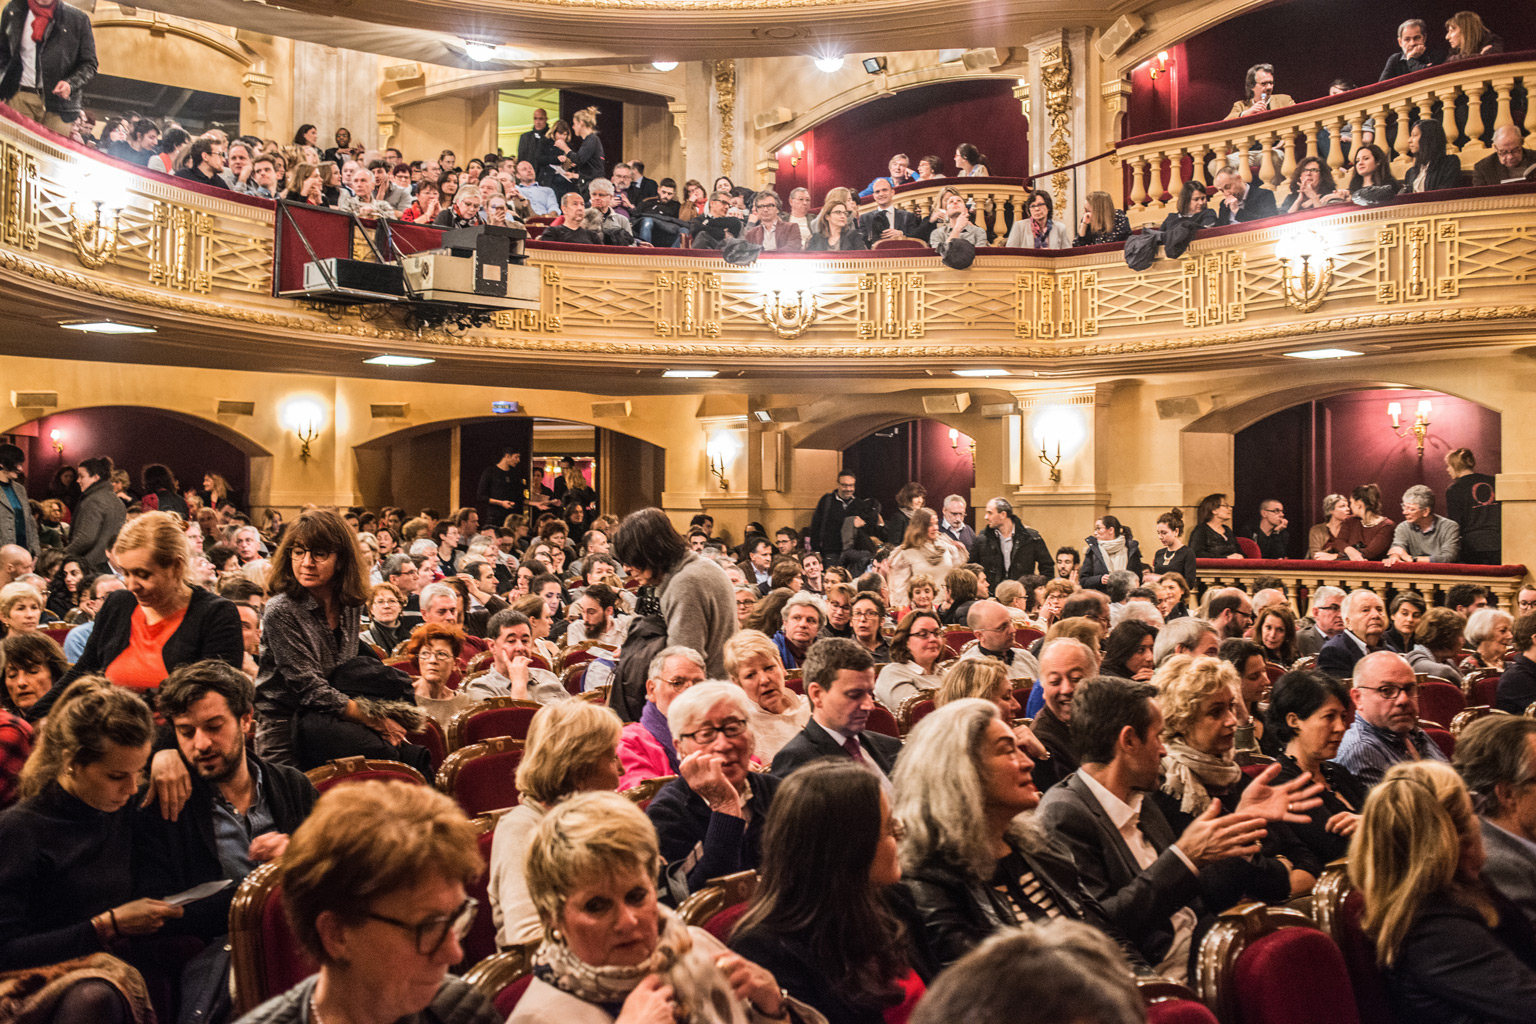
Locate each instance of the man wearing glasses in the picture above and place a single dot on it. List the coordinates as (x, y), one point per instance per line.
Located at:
(1386, 727)
(1527, 601)
(1326, 622)
(206, 163)
(764, 227)
(1423, 536)
(1271, 535)
(1365, 620)
(993, 626)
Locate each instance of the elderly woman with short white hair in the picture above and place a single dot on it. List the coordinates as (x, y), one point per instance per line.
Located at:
(778, 713)
(611, 951)
(1489, 632)
(709, 822)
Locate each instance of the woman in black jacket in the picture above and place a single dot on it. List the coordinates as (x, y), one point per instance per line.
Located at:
(972, 863)
(835, 231)
(160, 483)
(1109, 549)
(1212, 536)
(1433, 168)
(828, 919)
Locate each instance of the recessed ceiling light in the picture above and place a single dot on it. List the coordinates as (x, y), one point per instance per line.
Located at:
(829, 64)
(691, 374)
(663, 65)
(982, 373)
(104, 327)
(480, 53)
(1324, 353)
(388, 360)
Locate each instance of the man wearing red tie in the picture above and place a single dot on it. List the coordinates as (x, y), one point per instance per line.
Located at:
(840, 682)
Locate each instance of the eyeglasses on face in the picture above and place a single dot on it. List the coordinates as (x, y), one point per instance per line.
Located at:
(435, 655)
(1390, 691)
(431, 933)
(730, 729)
(866, 613)
(925, 634)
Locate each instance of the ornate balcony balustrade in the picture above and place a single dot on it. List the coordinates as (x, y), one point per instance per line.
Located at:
(997, 202)
(1301, 577)
(84, 234)
(1471, 99)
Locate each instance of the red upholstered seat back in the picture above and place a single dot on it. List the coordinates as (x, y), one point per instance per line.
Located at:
(1023, 636)
(370, 775)
(1274, 672)
(432, 739)
(1359, 953)
(511, 722)
(1249, 548)
(1264, 980)
(720, 924)
(1485, 691)
(956, 639)
(921, 710)
(283, 961)
(506, 1000)
(1440, 701)
(1443, 739)
(481, 940)
(488, 782)
(1179, 1011)
(882, 721)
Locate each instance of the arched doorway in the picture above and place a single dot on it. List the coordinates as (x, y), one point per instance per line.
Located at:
(1330, 445)
(924, 451)
(136, 436)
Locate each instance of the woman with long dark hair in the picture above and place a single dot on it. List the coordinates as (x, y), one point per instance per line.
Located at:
(161, 491)
(1108, 549)
(1372, 169)
(1128, 650)
(1212, 536)
(827, 917)
(1433, 168)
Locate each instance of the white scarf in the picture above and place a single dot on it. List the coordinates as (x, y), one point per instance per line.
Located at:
(1115, 555)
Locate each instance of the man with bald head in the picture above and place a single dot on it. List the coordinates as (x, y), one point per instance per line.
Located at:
(1386, 727)
(993, 625)
(1064, 664)
(15, 562)
(1365, 620)
(1511, 158)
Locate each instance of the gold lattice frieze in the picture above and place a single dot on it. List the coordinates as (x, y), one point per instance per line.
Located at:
(179, 253)
(891, 305)
(687, 305)
(18, 178)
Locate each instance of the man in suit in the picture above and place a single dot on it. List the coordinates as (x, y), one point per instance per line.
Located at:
(886, 222)
(1326, 622)
(840, 682)
(953, 523)
(1365, 619)
(1146, 878)
(1497, 758)
(1510, 159)
(767, 230)
(1240, 201)
(757, 566)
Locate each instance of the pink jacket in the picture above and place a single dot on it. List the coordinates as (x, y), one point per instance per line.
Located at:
(641, 756)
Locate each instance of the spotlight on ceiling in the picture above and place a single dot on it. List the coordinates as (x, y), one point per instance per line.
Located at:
(393, 360)
(874, 65)
(480, 53)
(663, 65)
(829, 64)
(104, 327)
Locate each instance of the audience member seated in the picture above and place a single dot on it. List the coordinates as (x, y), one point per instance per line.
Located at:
(435, 647)
(1308, 715)
(1192, 211)
(801, 618)
(785, 236)
(1450, 946)
(21, 608)
(1510, 160)
(834, 232)
(1432, 168)
(1064, 665)
(829, 919)
(541, 199)
(887, 221)
(696, 597)
(869, 623)
(66, 885)
(1212, 536)
(1101, 223)
(969, 162)
(1259, 94)
(571, 748)
(1128, 651)
(900, 174)
(718, 224)
(1101, 816)
(423, 211)
(374, 888)
(1469, 37)
(916, 649)
(1489, 633)
(386, 627)
(973, 862)
(31, 664)
(205, 163)
(465, 211)
(1410, 56)
(610, 950)
(1199, 699)
(839, 677)
(993, 626)
(1496, 757)
(1338, 535)
(1247, 659)
(646, 750)
(1038, 228)
(1327, 621)
(709, 822)
(1365, 619)
(1172, 594)
(778, 714)
(1517, 684)
(1386, 726)
(954, 224)
(1435, 646)
(1241, 201)
(160, 621)
(1040, 974)
(241, 810)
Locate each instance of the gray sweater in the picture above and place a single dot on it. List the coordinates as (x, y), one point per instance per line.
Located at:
(98, 517)
(700, 608)
(456, 1002)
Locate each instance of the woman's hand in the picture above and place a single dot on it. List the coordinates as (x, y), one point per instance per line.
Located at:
(169, 783)
(1343, 824)
(142, 917)
(1284, 802)
(752, 983)
(1355, 554)
(1235, 554)
(392, 731)
(1325, 556)
(1030, 743)
(649, 1003)
(1144, 675)
(704, 773)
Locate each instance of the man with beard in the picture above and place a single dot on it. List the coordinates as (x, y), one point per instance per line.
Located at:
(240, 811)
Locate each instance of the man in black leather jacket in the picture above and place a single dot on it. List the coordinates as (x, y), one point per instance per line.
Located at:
(47, 59)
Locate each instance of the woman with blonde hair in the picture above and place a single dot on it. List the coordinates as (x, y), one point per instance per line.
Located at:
(924, 551)
(753, 662)
(21, 608)
(1450, 946)
(1199, 699)
(305, 184)
(1102, 224)
(1338, 535)
(572, 747)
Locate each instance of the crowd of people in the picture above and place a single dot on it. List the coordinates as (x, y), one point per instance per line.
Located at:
(1112, 756)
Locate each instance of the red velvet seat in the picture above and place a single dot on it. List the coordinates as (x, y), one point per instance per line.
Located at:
(882, 721)
(1249, 548)
(1337, 906)
(431, 737)
(503, 977)
(1440, 701)
(482, 777)
(1482, 687)
(1252, 959)
(720, 905)
(914, 709)
(361, 769)
(794, 680)
(1442, 737)
(480, 943)
(506, 1000)
(265, 956)
(1274, 672)
(56, 631)
(1169, 1003)
(956, 637)
(573, 677)
(498, 716)
(1023, 636)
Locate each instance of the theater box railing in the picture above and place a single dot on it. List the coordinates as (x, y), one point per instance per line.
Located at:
(1301, 577)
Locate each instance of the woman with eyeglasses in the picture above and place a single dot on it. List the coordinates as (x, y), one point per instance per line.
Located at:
(436, 648)
(828, 919)
(867, 619)
(709, 822)
(916, 650)
(374, 886)
(1212, 536)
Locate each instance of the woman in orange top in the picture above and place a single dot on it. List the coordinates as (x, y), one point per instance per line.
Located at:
(161, 620)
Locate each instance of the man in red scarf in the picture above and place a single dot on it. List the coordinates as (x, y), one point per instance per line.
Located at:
(47, 55)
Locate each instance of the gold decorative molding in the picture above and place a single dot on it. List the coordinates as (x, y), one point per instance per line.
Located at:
(256, 85)
(1056, 78)
(1212, 288)
(725, 103)
(179, 254)
(18, 180)
(1117, 103)
(693, 302)
(891, 305)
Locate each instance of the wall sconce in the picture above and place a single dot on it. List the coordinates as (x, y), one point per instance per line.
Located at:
(1058, 431)
(1158, 66)
(954, 443)
(1306, 269)
(720, 449)
(1420, 428)
(95, 232)
(303, 418)
(1053, 464)
(57, 437)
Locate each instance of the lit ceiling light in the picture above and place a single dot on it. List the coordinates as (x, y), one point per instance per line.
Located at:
(480, 53)
(663, 65)
(1325, 353)
(388, 360)
(829, 64)
(981, 373)
(691, 374)
(104, 327)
